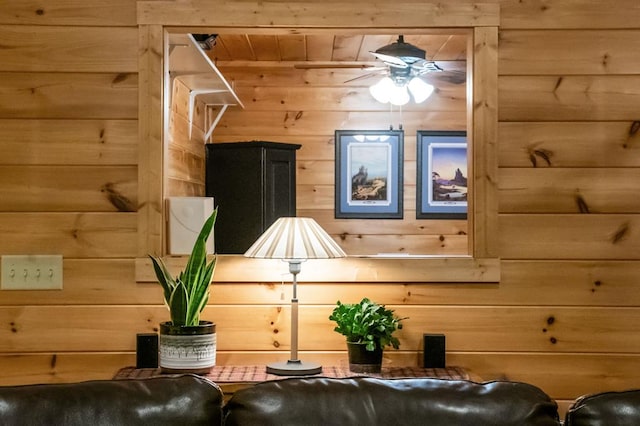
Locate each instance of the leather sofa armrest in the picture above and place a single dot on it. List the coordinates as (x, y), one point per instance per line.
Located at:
(605, 409)
(157, 401)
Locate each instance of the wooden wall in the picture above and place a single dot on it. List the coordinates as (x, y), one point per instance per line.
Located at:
(565, 315)
(185, 172)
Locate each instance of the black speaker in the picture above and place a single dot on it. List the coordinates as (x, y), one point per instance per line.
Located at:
(434, 351)
(147, 350)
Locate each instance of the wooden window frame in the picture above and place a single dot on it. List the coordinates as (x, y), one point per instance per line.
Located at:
(479, 20)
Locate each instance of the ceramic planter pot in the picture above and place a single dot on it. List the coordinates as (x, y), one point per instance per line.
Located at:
(187, 349)
(363, 361)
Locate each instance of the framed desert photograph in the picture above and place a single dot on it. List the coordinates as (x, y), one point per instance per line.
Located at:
(369, 174)
(441, 185)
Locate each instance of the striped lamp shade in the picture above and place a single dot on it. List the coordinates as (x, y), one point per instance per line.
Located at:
(295, 238)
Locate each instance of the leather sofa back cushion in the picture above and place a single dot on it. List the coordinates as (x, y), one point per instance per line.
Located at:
(178, 400)
(370, 401)
(605, 409)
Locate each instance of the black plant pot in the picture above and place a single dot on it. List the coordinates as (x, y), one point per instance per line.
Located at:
(187, 349)
(363, 361)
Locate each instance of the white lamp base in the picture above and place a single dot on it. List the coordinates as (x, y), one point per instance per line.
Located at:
(294, 368)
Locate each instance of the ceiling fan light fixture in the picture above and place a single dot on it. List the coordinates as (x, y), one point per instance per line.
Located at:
(382, 90)
(399, 96)
(420, 90)
(397, 93)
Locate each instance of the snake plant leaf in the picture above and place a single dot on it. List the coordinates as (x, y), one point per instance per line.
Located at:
(200, 294)
(197, 261)
(178, 304)
(188, 294)
(164, 277)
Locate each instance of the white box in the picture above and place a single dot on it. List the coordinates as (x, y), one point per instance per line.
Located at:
(186, 217)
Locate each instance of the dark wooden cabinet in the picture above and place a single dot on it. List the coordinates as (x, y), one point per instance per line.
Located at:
(253, 184)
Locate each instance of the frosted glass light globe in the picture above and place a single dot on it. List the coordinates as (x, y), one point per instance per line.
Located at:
(382, 90)
(399, 96)
(420, 90)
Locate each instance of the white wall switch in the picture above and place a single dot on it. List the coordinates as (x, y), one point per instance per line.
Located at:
(31, 272)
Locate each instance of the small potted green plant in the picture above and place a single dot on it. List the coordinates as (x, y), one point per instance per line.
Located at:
(368, 328)
(188, 344)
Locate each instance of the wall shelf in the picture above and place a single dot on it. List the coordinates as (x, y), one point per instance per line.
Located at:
(189, 64)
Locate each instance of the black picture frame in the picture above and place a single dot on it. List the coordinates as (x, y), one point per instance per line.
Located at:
(441, 182)
(369, 174)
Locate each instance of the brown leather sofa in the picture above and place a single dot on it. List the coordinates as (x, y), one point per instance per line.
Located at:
(191, 400)
(178, 400)
(370, 401)
(605, 409)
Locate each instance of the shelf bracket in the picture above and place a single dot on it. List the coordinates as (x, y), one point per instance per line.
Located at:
(192, 104)
(216, 120)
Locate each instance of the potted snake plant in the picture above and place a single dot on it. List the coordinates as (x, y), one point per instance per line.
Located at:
(368, 328)
(187, 343)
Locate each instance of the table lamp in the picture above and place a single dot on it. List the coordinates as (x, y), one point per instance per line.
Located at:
(294, 239)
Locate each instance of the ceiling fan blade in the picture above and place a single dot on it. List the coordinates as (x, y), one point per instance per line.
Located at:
(364, 76)
(320, 66)
(451, 77)
(390, 60)
(422, 66)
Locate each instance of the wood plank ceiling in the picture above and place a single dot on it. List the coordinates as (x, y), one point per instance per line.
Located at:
(448, 50)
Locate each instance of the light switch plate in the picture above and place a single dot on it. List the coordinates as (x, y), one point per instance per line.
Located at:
(31, 272)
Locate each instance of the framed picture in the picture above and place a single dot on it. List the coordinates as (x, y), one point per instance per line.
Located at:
(441, 185)
(369, 174)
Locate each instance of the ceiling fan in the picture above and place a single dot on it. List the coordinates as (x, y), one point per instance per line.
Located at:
(405, 64)
(402, 61)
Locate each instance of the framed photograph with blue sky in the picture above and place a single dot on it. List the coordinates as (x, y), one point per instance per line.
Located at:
(441, 185)
(369, 174)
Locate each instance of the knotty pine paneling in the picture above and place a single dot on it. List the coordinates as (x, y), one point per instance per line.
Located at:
(569, 52)
(565, 375)
(387, 226)
(69, 95)
(336, 99)
(68, 188)
(540, 283)
(183, 188)
(571, 14)
(68, 49)
(569, 98)
(283, 74)
(291, 123)
(75, 235)
(186, 166)
(569, 190)
(62, 367)
(569, 144)
(49, 142)
(181, 139)
(468, 328)
(322, 14)
(570, 236)
(380, 244)
(95, 13)
(90, 281)
(185, 172)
